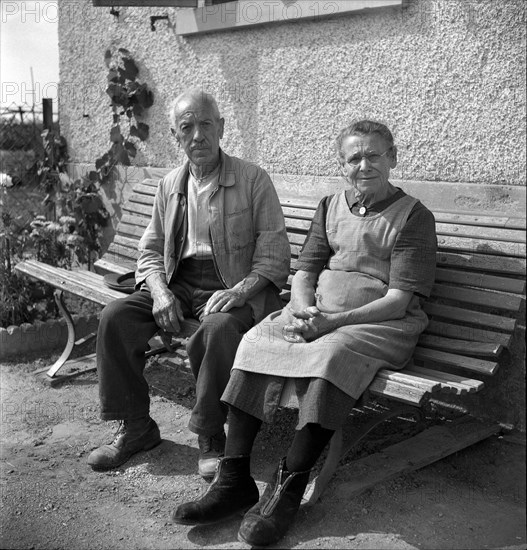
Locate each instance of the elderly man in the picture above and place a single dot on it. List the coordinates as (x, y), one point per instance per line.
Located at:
(215, 249)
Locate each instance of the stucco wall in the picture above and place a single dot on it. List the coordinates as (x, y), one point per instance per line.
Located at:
(448, 76)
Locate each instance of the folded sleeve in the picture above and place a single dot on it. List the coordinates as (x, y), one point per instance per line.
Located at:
(316, 250)
(413, 259)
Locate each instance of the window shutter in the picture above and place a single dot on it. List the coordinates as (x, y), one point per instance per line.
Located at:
(148, 3)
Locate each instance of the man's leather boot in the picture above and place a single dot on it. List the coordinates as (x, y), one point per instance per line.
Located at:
(210, 449)
(267, 522)
(231, 492)
(131, 437)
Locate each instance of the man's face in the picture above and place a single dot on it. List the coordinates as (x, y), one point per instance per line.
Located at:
(366, 162)
(198, 131)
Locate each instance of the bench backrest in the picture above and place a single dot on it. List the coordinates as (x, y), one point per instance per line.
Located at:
(479, 288)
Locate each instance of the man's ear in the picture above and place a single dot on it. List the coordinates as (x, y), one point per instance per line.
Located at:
(174, 133)
(222, 127)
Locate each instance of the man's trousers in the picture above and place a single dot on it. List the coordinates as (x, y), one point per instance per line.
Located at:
(127, 324)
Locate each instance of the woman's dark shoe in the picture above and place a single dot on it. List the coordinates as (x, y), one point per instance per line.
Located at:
(267, 522)
(231, 492)
(131, 437)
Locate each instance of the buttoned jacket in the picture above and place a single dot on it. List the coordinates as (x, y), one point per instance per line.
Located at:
(247, 227)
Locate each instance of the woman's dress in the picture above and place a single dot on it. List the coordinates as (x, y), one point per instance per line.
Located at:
(358, 271)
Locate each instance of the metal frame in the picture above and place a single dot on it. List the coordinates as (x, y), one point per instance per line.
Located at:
(73, 342)
(338, 451)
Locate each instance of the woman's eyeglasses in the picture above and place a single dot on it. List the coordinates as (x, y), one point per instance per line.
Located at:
(372, 158)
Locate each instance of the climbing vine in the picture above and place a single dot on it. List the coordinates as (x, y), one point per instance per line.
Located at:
(129, 99)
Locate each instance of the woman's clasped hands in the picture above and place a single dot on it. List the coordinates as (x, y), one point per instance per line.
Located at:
(307, 324)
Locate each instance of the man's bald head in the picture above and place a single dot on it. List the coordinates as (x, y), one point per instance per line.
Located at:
(195, 97)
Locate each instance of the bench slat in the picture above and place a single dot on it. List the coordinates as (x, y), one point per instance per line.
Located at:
(397, 391)
(453, 360)
(480, 220)
(488, 299)
(143, 189)
(463, 347)
(126, 241)
(131, 230)
(476, 261)
(410, 380)
(141, 199)
(67, 281)
(481, 233)
(121, 251)
(139, 221)
(136, 208)
(496, 248)
(452, 331)
(448, 385)
(104, 266)
(480, 280)
(474, 385)
(477, 318)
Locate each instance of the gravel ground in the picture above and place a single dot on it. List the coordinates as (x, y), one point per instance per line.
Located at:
(51, 499)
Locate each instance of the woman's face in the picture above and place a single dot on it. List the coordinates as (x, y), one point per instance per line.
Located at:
(366, 162)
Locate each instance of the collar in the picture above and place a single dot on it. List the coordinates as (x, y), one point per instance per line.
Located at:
(226, 177)
(377, 207)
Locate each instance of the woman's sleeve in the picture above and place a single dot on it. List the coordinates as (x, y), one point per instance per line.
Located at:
(413, 260)
(316, 251)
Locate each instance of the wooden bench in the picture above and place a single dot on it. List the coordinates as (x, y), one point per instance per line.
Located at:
(473, 311)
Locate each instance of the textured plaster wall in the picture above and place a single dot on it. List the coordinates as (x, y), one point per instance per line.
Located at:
(448, 76)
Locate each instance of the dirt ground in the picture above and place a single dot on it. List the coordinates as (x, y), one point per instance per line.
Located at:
(51, 499)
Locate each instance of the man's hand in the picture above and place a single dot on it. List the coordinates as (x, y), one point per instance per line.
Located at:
(223, 300)
(167, 311)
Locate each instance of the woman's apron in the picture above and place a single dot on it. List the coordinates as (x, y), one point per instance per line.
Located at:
(356, 274)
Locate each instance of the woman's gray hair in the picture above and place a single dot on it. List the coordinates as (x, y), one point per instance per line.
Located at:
(363, 128)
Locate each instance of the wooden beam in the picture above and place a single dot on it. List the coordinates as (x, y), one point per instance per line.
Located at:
(425, 448)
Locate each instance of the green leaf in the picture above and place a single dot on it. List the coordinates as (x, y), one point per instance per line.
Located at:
(141, 131)
(100, 162)
(137, 109)
(117, 93)
(130, 148)
(144, 97)
(113, 75)
(90, 203)
(130, 70)
(115, 134)
(120, 154)
(93, 176)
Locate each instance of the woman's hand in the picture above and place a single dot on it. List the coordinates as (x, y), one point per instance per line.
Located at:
(308, 325)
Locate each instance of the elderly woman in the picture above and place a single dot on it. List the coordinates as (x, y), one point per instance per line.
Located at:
(367, 263)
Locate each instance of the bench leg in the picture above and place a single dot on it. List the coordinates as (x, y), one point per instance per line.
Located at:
(71, 343)
(337, 450)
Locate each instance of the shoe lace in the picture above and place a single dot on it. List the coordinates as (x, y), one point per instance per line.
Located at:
(120, 430)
